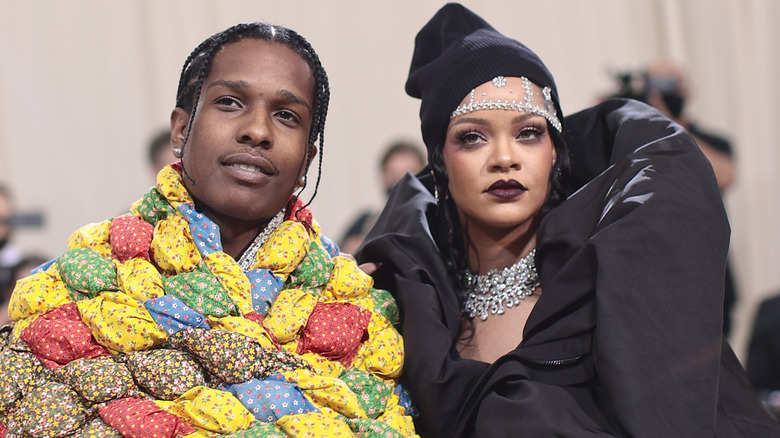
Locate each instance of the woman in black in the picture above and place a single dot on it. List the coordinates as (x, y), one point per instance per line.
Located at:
(542, 299)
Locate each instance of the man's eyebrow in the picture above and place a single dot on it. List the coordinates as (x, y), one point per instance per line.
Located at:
(294, 98)
(240, 85)
(243, 85)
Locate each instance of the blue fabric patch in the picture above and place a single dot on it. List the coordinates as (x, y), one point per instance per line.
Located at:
(173, 315)
(405, 400)
(271, 398)
(265, 288)
(204, 232)
(43, 266)
(330, 246)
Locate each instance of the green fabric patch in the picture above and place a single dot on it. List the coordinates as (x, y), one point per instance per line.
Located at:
(201, 291)
(373, 393)
(369, 428)
(153, 207)
(313, 271)
(385, 304)
(259, 429)
(86, 274)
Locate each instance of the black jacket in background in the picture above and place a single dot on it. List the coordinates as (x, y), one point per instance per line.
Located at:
(625, 339)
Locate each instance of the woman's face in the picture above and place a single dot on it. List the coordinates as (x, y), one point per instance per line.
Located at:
(247, 148)
(499, 161)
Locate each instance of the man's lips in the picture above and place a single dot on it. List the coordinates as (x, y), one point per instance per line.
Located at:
(250, 163)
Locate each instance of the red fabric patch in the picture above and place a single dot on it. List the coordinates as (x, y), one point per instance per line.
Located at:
(254, 316)
(294, 206)
(3, 430)
(335, 331)
(60, 336)
(130, 237)
(136, 418)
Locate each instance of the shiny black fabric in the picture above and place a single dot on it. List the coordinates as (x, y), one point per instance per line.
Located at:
(625, 339)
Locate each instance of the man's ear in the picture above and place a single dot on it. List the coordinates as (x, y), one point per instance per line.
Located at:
(179, 121)
(305, 169)
(313, 149)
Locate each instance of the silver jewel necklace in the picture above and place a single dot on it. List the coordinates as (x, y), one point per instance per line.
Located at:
(497, 288)
(249, 256)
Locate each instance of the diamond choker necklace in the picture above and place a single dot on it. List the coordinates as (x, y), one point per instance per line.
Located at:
(500, 287)
(249, 256)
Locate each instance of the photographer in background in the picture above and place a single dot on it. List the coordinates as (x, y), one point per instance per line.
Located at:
(10, 254)
(663, 86)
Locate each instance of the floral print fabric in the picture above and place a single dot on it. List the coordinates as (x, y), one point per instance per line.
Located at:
(145, 327)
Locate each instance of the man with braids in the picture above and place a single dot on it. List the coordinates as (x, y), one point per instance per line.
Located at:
(216, 306)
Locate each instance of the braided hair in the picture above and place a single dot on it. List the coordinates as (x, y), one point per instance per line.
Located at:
(449, 235)
(198, 65)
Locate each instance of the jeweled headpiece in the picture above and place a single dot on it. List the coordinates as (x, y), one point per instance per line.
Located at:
(526, 105)
(455, 52)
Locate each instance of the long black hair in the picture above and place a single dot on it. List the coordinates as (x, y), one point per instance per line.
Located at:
(449, 235)
(198, 65)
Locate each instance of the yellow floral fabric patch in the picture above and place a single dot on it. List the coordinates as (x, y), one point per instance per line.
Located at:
(93, 236)
(38, 294)
(120, 323)
(212, 410)
(139, 279)
(286, 247)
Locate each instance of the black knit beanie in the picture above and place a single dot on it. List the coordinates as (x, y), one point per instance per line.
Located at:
(455, 52)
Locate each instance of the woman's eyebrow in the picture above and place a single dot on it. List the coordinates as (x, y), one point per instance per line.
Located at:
(473, 120)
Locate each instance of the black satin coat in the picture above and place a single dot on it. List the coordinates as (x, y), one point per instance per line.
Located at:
(625, 339)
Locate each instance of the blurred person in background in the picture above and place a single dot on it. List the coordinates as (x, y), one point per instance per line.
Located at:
(10, 254)
(399, 157)
(664, 86)
(160, 152)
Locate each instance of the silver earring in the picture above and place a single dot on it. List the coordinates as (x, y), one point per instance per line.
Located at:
(303, 181)
(435, 187)
(177, 152)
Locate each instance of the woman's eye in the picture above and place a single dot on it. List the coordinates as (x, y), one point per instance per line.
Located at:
(470, 138)
(529, 133)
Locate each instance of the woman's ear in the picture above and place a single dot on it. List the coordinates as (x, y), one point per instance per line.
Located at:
(179, 121)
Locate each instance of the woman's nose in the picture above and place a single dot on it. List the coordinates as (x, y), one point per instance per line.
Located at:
(504, 156)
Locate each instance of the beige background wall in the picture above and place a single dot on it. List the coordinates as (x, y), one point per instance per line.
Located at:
(83, 84)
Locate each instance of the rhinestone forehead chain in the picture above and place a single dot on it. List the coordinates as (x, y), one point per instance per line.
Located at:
(526, 105)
